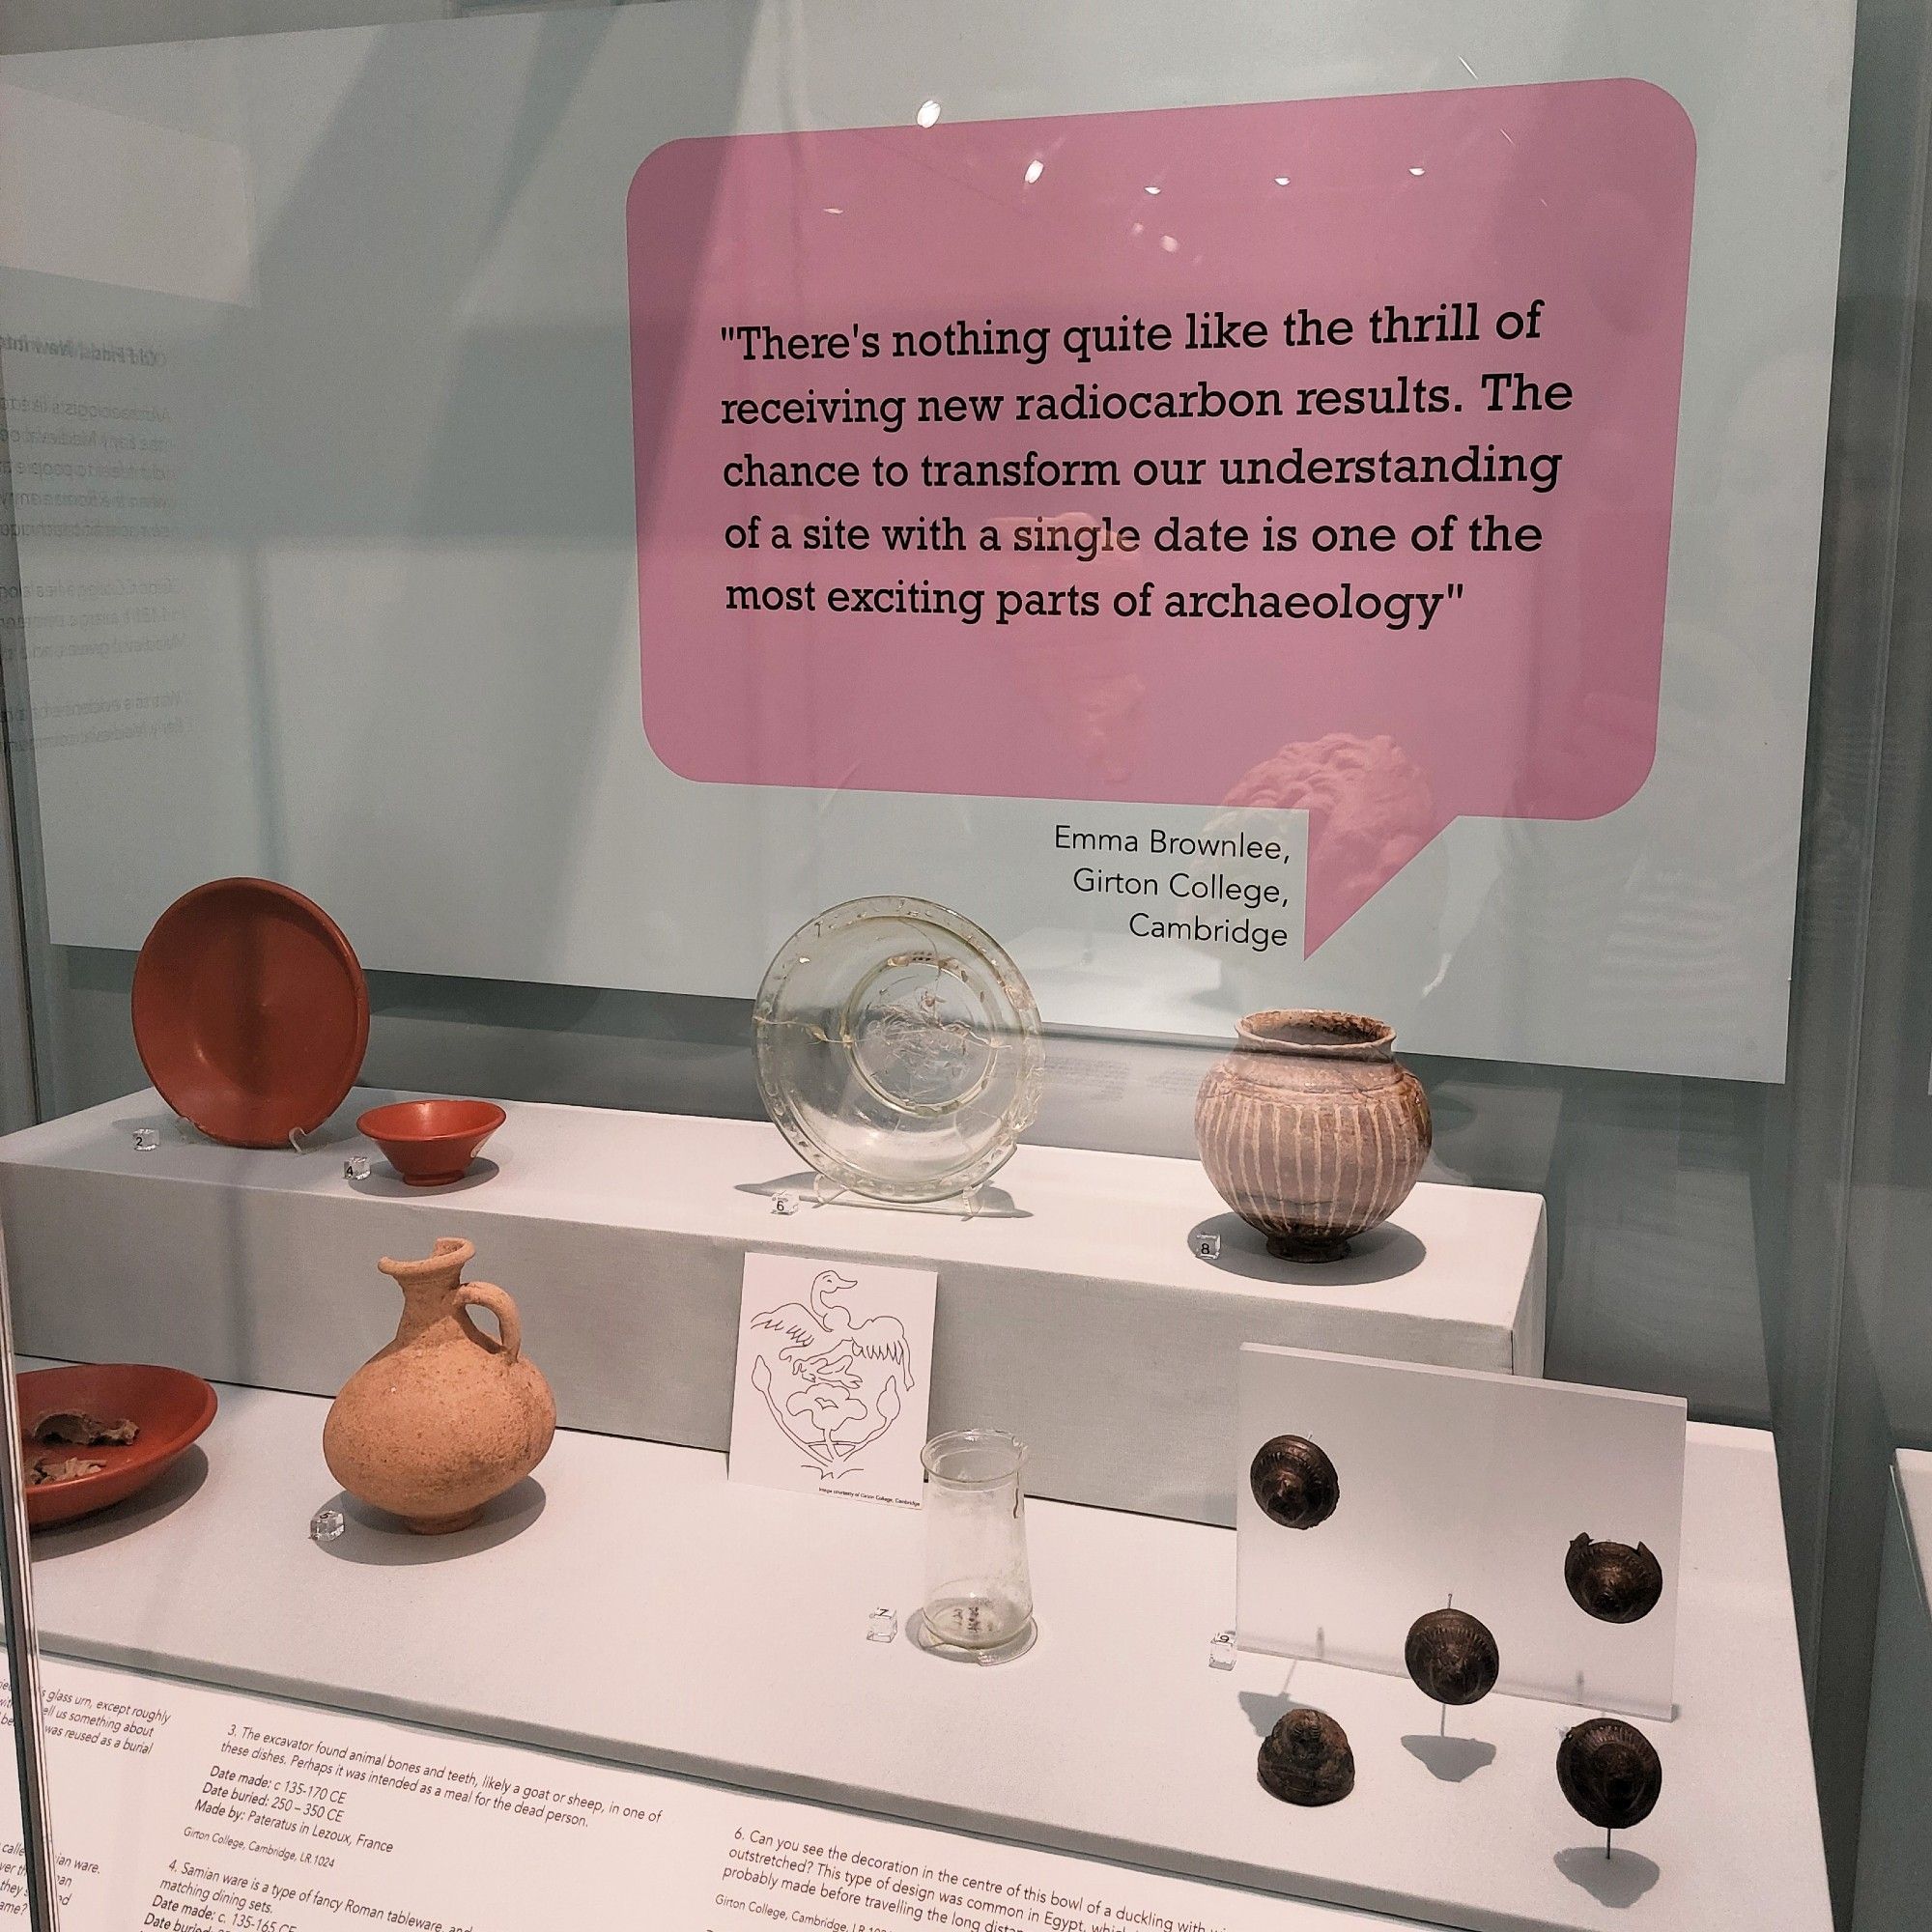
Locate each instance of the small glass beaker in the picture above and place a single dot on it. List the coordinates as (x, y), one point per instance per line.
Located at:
(979, 1597)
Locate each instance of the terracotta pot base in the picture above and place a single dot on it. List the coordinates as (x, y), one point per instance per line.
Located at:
(441, 1526)
(1306, 1248)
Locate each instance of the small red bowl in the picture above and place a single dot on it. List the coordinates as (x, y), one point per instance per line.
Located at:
(171, 1406)
(431, 1143)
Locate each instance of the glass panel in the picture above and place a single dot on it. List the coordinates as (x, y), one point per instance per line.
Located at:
(1344, 585)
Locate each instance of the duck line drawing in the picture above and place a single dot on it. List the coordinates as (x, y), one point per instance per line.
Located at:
(835, 1385)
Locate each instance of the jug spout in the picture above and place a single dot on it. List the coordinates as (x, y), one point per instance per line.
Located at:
(429, 1285)
(451, 1255)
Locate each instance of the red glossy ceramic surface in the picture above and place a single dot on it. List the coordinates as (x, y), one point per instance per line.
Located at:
(431, 1143)
(171, 1406)
(250, 1012)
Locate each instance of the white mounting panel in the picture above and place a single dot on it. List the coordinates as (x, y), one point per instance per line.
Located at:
(1465, 1485)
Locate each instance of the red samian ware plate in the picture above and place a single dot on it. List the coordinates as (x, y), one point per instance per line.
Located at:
(171, 1406)
(251, 1015)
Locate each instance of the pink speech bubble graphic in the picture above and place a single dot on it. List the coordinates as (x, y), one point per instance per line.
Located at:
(1311, 455)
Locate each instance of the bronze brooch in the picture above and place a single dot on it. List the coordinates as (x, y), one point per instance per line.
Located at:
(1613, 1582)
(1452, 1657)
(1295, 1482)
(1306, 1759)
(1609, 1771)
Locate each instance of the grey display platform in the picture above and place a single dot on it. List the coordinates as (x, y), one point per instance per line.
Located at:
(629, 1604)
(1894, 1846)
(1074, 1308)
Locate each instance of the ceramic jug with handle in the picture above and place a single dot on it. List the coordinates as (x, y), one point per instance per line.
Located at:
(445, 1418)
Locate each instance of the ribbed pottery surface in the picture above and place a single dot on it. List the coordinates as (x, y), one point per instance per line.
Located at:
(1312, 1149)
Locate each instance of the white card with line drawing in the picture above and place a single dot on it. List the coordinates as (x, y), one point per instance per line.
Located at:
(833, 1359)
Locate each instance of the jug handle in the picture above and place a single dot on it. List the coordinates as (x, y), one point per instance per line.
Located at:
(487, 1294)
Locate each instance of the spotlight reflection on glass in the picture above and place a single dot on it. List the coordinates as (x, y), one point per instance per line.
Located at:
(1150, 189)
(1035, 170)
(1415, 171)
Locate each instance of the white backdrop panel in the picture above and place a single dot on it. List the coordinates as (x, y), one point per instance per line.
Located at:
(351, 596)
(1459, 1483)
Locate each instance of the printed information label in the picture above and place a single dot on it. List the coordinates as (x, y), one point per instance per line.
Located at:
(179, 1807)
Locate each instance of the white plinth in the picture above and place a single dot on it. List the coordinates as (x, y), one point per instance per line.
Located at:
(1073, 1312)
(1894, 1847)
(631, 1605)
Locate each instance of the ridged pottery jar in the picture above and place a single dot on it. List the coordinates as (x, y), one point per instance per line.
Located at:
(445, 1418)
(1312, 1130)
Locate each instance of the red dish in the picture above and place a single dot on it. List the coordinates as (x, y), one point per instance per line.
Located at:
(171, 1406)
(431, 1143)
(251, 1015)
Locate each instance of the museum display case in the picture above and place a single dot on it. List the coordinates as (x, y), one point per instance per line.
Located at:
(958, 980)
